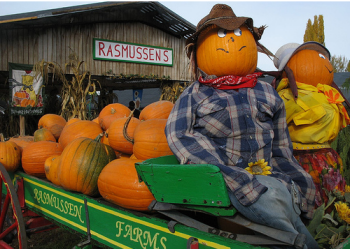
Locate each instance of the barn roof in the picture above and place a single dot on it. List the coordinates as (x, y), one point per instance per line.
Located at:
(151, 13)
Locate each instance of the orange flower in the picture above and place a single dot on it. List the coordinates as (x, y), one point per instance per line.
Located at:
(331, 98)
(315, 176)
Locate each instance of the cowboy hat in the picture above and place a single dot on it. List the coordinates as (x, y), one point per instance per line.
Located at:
(223, 16)
(286, 52)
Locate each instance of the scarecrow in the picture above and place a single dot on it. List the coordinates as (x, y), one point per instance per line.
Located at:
(315, 112)
(229, 118)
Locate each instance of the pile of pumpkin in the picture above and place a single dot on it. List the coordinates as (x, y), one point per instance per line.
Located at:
(94, 157)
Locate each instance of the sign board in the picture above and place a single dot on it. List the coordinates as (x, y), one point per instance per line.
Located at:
(131, 52)
(26, 90)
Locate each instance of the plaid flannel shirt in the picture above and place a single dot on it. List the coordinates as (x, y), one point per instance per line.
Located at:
(231, 128)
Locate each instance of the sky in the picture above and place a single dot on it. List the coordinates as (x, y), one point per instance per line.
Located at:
(285, 20)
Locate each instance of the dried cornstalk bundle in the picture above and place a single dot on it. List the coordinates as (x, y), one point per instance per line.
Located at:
(74, 92)
(172, 91)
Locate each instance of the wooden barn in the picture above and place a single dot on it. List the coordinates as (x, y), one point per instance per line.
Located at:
(124, 45)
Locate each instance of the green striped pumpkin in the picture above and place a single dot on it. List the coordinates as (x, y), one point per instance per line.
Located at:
(82, 161)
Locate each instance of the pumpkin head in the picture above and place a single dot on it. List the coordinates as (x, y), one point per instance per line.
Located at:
(10, 154)
(159, 109)
(119, 183)
(81, 162)
(311, 67)
(227, 52)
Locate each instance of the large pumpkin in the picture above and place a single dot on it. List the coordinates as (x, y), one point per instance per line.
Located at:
(10, 154)
(51, 169)
(150, 140)
(82, 128)
(116, 136)
(159, 109)
(81, 162)
(43, 134)
(227, 52)
(111, 112)
(35, 154)
(311, 67)
(53, 123)
(119, 183)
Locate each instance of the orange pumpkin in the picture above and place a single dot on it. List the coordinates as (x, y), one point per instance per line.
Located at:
(118, 183)
(22, 141)
(159, 109)
(43, 134)
(82, 128)
(116, 136)
(72, 120)
(227, 52)
(53, 123)
(311, 67)
(111, 112)
(51, 169)
(35, 154)
(10, 154)
(150, 140)
(81, 162)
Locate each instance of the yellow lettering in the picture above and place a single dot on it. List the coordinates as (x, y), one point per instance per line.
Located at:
(71, 209)
(128, 229)
(35, 194)
(162, 240)
(119, 225)
(138, 233)
(149, 240)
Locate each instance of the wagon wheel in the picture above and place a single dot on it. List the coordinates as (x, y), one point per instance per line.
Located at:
(15, 223)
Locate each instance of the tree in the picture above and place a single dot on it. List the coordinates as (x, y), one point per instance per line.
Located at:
(340, 64)
(315, 31)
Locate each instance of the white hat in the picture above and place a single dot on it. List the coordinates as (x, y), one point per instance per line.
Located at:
(286, 52)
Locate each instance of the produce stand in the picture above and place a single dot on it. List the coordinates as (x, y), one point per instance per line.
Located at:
(167, 225)
(101, 221)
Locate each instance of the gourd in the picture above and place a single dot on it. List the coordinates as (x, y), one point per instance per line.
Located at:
(118, 183)
(311, 67)
(150, 140)
(159, 109)
(43, 134)
(10, 154)
(116, 137)
(35, 154)
(82, 128)
(53, 123)
(81, 162)
(219, 56)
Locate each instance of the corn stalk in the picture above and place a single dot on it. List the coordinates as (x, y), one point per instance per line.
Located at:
(75, 91)
(172, 91)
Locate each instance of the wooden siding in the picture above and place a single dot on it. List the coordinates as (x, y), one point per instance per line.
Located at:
(29, 46)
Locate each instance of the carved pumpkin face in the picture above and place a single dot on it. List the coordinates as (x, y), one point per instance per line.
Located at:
(227, 52)
(311, 67)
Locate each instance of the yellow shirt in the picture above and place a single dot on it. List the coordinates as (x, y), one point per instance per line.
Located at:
(316, 117)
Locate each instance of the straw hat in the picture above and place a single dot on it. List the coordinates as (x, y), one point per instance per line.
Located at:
(286, 52)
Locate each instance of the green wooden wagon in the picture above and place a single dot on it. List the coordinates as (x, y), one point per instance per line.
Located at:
(187, 213)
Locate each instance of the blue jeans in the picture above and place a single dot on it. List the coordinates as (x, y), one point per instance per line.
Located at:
(275, 208)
